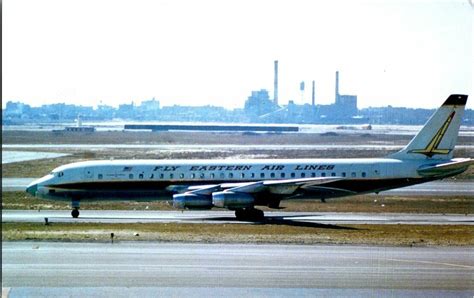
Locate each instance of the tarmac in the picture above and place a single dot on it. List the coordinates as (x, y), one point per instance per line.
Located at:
(228, 217)
(126, 269)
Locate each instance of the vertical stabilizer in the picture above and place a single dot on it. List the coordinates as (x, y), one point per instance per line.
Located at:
(436, 140)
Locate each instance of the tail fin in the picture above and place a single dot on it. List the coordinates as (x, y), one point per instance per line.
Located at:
(438, 137)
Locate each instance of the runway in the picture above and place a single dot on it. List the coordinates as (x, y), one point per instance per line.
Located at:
(228, 217)
(180, 269)
(213, 147)
(435, 188)
(19, 156)
(16, 184)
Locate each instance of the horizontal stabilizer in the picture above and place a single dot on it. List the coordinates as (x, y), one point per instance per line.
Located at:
(452, 167)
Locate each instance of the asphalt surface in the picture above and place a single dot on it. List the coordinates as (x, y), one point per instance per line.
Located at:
(187, 147)
(228, 217)
(435, 188)
(19, 156)
(16, 184)
(180, 269)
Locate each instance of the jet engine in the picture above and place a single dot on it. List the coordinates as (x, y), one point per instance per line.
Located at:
(192, 201)
(232, 200)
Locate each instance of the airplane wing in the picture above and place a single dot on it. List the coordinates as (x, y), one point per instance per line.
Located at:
(281, 187)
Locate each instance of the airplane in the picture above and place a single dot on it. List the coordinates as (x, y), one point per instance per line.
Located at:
(241, 185)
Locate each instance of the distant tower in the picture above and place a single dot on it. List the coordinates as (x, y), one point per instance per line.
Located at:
(337, 87)
(302, 90)
(78, 120)
(275, 84)
(313, 96)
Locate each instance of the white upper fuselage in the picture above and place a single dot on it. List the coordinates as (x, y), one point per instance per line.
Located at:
(197, 171)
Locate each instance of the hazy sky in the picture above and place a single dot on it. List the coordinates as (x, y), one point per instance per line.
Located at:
(189, 52)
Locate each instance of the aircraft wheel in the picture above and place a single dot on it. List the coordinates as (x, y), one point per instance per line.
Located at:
(257, 214)
(251, 214)
(75, 213)
(240, 214)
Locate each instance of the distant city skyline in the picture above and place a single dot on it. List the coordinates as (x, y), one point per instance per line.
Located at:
(210, 52)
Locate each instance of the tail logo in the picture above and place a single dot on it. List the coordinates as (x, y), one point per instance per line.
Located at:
(432, 147)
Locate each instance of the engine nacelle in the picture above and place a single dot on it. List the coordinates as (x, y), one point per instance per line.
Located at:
(232, 200)
(191, 201)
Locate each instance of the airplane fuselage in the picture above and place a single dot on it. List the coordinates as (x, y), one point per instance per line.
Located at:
(157, 179)
(241, 185)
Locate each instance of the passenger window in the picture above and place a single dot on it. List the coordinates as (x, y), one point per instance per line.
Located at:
(262, 175)
(201, 175)
(162, 176)
(343, 174)
(282, 175)
(222, 175)
(252, 175)
(140, 176)
(99, 176)
(353, 174)
(181, 175)
(152, 176)
(193, 175)
(323, 174)
(333, 174)
(171, 176)
(272, 175)
(130, 176)
(313, 175)
(242, 175)
(303, 175)
(231, 175)
(364, 174)
(212, 175)
(293, 175)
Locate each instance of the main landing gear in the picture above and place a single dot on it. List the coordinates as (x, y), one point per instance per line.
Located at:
(75, 212)
(250, 214)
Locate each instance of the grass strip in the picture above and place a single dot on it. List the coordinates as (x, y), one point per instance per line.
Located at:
(306, 233)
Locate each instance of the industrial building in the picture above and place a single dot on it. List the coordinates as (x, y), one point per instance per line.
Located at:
(260, 108)
(344, 107)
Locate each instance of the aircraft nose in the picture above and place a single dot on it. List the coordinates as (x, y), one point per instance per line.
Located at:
(32, 189)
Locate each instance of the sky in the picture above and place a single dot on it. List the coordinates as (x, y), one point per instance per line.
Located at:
(213, 52)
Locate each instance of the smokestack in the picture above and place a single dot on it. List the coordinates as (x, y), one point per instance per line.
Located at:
(275, 86)
(313, 96)
(337, 86)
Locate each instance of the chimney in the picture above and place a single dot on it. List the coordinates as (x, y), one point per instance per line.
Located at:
(275, 86)
(337, 87)
(313, 96)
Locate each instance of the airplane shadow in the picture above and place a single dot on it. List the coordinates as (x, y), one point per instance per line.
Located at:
(284, 221)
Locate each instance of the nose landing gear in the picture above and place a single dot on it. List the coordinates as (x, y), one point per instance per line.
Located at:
(75, 208)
